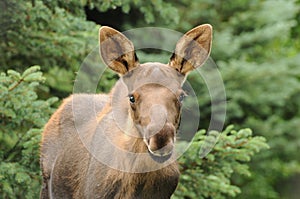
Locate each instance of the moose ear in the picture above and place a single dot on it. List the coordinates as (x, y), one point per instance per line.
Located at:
(192, 49)
(116, 50)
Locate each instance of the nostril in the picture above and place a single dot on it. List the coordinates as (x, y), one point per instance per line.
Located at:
(160, 150)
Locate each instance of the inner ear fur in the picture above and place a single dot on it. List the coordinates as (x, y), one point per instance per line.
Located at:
(116, 50)
(192, 49)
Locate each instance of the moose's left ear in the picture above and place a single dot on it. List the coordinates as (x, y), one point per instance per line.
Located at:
(192, 49)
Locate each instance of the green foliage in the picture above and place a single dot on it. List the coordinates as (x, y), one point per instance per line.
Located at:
(47, 36)
(152, 10)
(211, 176)
(271, 108)
(22, 117)
(258, 58)
(256, 46)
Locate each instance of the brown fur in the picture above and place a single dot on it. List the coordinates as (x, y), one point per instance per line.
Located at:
(85, 127)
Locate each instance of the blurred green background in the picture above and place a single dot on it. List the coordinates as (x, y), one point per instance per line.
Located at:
(256, 46)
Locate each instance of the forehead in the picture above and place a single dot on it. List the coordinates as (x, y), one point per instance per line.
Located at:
(153, 73)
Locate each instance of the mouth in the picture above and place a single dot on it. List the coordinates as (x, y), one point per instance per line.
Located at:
(159, 158)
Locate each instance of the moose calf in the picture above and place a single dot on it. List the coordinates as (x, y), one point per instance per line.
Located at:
(121, 145)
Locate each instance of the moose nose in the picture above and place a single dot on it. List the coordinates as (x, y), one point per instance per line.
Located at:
(158, 117)
(162, 143)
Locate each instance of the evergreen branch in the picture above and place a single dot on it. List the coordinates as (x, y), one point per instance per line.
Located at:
(16, 85)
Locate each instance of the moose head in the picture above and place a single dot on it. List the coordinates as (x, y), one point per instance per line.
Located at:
(152, 91)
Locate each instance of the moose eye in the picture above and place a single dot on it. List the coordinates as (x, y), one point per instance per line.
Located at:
(131, 98)
(181, 97)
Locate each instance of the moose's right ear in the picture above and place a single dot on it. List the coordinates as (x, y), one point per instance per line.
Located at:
(116, 50)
